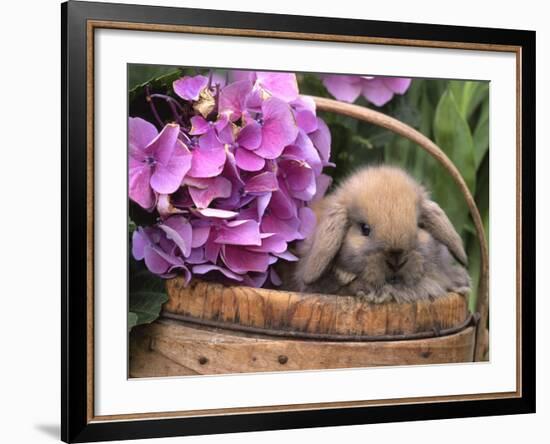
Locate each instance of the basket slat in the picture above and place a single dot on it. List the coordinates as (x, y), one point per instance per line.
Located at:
(311, 313)
(172, 348)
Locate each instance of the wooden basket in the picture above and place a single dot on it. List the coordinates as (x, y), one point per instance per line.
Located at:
(208, 328)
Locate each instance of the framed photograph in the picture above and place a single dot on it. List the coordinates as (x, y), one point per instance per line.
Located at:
(276, 221)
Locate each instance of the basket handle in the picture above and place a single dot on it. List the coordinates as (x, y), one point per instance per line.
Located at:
(398, 127)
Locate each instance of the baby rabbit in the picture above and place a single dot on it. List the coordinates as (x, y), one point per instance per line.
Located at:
(381, 238)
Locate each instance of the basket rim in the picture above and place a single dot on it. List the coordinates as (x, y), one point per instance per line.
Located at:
(471, 320)
(300, 315)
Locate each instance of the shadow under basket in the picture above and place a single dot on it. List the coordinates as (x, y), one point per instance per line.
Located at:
(208, 328)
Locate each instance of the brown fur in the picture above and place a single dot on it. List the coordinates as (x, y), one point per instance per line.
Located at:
(407, 254)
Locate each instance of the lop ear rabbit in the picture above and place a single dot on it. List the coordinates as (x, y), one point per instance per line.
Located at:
(380, 237)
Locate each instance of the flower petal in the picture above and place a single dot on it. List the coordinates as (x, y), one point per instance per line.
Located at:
(304, 103)
(272, 244)
(213, 188)
(237, 75)
(255, 99)
(232, 173)
(207, 162)
(346, 88)
(167, 177)
(216, 213)
(305, 113)
(323, 182)
(308, 220)
(279, 84)
(241, 260)
(398, 85)
(182, 270)
(206, 268)
(302, 149)
(281, 204)
(239, 232)
(210, 141)
(300, 179)
(227, 134)
(179, 230)
(139, 188)
(250, 136)
(262, 203)
(189, 88)
(196, 256)
(140, 134)
(139, 241)
(155, 261)
(287, 256)
(212, 251)
(286, 228)
(262, 183)
(162, 146)
(376, 91)
(232, 99)
(321, 138)
(306, 120)
(278, 130)
(248, 160)
(200, 234)
(199, 126)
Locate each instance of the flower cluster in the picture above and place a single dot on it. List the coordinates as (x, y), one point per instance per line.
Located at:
(377, 90)
(230, 176)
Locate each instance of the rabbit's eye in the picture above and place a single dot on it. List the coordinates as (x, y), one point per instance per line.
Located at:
(365, 229)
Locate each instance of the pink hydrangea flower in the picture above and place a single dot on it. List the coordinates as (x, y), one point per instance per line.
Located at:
(231, 188)
(377, 90)
(157, 161)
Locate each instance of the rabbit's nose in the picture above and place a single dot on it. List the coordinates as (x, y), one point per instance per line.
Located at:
(395, 259)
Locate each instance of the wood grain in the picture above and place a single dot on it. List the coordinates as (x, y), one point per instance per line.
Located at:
(172, 348)
(145, 361)
(311, 313)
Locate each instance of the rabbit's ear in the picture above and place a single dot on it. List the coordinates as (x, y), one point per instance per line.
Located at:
(327, 240)
(434, 220)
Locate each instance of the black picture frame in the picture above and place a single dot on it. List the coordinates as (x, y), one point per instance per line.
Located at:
(76, 423)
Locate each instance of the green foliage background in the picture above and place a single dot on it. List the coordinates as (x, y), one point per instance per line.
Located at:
(452, 113)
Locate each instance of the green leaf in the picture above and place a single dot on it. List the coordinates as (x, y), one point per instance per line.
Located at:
(311, 84)
(362, 142)
(452, 134)
(147, 294)
(160, 83)
(399, 151)
(142, 74)
(146, 305)
(132, 320)
(131, 226)
(468, 95)
(427, 111)
(481, 134)
(482, 203)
